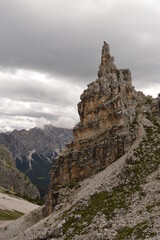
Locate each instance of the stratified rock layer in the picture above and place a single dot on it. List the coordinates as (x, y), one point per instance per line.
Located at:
(107, 111)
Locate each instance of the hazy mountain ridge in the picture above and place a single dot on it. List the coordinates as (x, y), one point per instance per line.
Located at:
(34, 151)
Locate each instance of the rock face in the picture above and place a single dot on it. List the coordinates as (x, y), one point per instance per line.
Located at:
(107, 111)
(34, 151)
(12, 179)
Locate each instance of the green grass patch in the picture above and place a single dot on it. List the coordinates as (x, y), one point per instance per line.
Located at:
(101, 202)
(16, 195)
(139, 231)
(39, 202)
(72, 185)
(5, 156)
(6, 215)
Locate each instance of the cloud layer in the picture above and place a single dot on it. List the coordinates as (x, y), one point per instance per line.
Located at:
(50, 50)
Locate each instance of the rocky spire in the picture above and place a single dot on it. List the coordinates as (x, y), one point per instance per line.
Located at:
(107, 62)
(106, 110)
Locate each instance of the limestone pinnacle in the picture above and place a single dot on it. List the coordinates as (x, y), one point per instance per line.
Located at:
(107, 62)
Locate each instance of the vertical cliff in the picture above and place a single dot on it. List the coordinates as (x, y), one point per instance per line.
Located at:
(107, 111)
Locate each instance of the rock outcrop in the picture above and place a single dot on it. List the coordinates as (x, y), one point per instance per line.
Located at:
(12, 180)
(34, 151)
(107, 110)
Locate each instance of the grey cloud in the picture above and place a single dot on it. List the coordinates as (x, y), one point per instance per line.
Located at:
(63, 38)
(22, 113)
(35, 91)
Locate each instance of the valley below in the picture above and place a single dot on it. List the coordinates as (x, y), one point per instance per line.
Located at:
(12, 207)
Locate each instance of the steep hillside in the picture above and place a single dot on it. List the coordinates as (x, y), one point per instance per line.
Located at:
(12, 179)
(34, 151)
(105, 184)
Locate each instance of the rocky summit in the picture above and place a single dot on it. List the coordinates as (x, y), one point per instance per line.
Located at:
(105, 184)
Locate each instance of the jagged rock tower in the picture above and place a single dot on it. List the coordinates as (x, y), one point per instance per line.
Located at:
(107, 62)
(106, 110)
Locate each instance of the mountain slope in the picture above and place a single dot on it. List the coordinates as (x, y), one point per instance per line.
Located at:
(119, 202)
(105, 184)
(34, 151)
(12, 179)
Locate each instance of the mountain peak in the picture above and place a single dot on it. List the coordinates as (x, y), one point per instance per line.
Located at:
(107, 108)
(107, 61)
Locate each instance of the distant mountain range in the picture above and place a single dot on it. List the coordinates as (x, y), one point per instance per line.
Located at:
(34, 151)
(12, 180)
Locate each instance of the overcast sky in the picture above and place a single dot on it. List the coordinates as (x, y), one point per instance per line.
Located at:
(50, 50)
